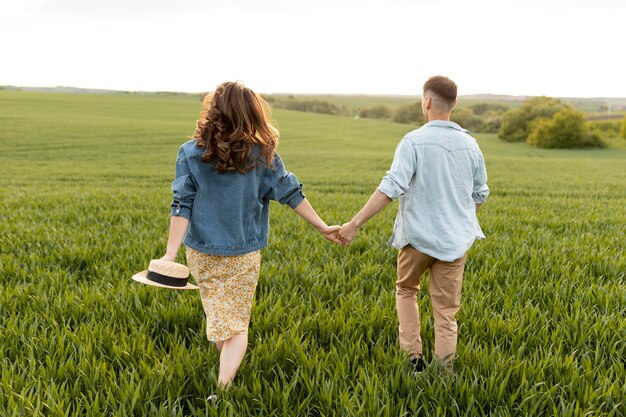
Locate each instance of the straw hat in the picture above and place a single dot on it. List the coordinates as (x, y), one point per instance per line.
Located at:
(165, 274)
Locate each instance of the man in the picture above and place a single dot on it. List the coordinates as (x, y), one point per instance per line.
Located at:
(438, 173)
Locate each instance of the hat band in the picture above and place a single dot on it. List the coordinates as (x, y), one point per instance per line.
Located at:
(165, 280)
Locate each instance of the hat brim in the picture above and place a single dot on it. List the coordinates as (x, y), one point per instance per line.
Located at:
(142, 278)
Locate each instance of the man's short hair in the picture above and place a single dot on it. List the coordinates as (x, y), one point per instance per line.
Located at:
(443, 87)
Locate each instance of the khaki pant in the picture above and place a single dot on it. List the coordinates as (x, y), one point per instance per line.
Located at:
(445, 283)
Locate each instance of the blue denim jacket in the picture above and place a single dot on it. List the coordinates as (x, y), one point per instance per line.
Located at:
(229, 212)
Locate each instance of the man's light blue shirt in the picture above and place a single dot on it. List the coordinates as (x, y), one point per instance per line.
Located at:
(438, 173)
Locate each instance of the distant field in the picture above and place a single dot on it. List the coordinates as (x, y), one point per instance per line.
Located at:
(355, 101)
(85, 198)
(597, 108)
(393, 102)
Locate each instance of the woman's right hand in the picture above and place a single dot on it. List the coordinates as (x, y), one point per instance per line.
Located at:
(178, 227)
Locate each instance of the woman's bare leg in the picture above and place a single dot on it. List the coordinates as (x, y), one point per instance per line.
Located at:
(231, 355)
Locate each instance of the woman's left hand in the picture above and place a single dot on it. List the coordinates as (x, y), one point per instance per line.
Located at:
(330, 233)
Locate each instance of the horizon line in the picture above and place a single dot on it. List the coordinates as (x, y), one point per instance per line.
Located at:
(87, 90)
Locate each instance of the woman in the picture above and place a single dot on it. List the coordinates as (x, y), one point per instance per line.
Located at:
(225, 178)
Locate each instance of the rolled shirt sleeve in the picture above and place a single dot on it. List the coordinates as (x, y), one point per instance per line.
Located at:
(284, 186)
(396, 182)
(480, 191)
(184, 188)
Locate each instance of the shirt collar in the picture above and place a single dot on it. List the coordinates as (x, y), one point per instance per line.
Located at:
(446, 123)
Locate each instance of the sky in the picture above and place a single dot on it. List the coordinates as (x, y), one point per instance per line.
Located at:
(559, 48)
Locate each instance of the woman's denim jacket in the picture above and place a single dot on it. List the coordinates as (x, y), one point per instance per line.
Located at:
(229, 212)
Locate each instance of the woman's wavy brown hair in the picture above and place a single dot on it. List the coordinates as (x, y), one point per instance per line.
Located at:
(233, 120)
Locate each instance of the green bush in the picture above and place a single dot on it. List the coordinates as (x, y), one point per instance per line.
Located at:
(467, 119)
(484, 108)
(605, 128)
(622, 131)
(567, 129)
(379, 111)
(590, 139)
(516, 123)
(491, 116)
(409, 114)
(311, 106)
(491, 123)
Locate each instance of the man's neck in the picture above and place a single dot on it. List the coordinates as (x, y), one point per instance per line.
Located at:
(438, 116)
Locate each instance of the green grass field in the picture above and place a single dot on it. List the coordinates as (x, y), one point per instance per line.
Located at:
(85, 198)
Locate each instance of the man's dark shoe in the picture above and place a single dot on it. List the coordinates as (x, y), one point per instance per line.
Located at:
(418, 364)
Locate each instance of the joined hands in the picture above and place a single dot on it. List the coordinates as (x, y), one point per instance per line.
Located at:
(343, 235)
(347, 233)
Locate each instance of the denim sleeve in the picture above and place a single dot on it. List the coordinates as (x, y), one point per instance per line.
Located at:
(284, 187)
(183, 187)
(402, 170)
(480, 191)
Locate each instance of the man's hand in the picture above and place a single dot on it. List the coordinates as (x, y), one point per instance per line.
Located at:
(330, 233)
(375, 204)
(347, 233)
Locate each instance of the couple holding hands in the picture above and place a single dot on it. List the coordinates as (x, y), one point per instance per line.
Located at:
(229, 172)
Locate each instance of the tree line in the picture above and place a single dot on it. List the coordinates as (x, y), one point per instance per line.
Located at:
(544, 122)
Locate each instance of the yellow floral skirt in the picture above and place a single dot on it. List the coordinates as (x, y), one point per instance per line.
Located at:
(227, 285)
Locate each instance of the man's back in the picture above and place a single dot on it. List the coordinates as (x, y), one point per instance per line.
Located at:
(439, 175)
